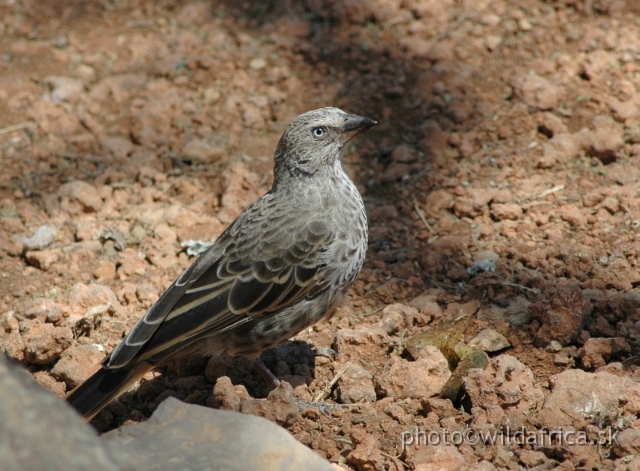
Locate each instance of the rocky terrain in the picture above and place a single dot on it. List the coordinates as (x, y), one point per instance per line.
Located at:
(502, 186)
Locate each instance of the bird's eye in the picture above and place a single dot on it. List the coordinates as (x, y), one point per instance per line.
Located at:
(318, 132)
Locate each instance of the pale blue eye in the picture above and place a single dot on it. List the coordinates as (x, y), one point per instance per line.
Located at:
(318, 132)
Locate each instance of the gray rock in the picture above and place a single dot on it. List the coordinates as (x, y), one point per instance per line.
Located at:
(192, 438)
(38, 431)
(43, 237)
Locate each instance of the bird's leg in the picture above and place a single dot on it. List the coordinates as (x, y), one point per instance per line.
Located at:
(271, 379)
(265, 372)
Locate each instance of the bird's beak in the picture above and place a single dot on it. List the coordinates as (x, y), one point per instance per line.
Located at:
(354, 125)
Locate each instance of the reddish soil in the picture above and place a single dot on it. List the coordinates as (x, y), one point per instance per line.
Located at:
(508, 133)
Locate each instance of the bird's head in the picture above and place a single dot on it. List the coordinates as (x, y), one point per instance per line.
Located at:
(314, 140)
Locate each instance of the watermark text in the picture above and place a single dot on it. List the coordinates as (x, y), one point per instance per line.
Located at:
(543, 437)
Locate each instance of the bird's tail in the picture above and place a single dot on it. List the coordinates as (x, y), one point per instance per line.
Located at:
(104, 385)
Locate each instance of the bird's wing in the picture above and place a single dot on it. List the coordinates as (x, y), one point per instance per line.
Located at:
(240, 277)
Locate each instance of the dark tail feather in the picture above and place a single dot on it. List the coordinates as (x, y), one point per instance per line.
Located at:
(96, 392)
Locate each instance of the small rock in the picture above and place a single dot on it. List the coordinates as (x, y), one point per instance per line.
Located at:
(346, 338)
(490, 19)
(42, 259)
(117, 146)
(78, 363)
(507, 385)
(525, 25)
(576, 393)
(227, 396)
(551, 125)
(356, 386)
(604, 140)
(597, 63)
(202, 151)
(418, 379)
(105, 270)
(366, 454)
(572, 214)
(562, 359)
(623, 110)
(432, 458)
(492, 42)
(443, 408)
(438, 201)
(258, 63)
(564, 318)
(538, 92)
(39, 309)
(602, 328)
(64, 88)
(489, 341)
(597, 352)
(86, 73)
(79, 197)
(531, 458)
(611, 204)
(481, 266)
(502, 211)
(43, 237)
(396, 171)
(560, 148)
(417, 46)
(95, 298)
(482, 466)
(426, 304)
(486, 255)
(280, 406)
(627, 443)
(45, 380)
(553, 347)
(39, 343)
(396, 316)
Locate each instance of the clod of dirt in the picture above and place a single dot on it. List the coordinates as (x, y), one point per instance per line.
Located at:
(280, 406)
(227, 396)
(37, 343)
(564, 318)
(366, 453)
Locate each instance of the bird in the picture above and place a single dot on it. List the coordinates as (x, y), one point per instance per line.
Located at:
(281, 266)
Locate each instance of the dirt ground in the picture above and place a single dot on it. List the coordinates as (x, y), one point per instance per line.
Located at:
(502, 184)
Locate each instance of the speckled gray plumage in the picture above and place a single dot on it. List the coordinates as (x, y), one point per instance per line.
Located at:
(277, 269)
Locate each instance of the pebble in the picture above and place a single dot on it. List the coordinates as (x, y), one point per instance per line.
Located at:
(553, 347)
(258, 63)
(64, 89)
(538, 91)
(488, 340)
(43, 237)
